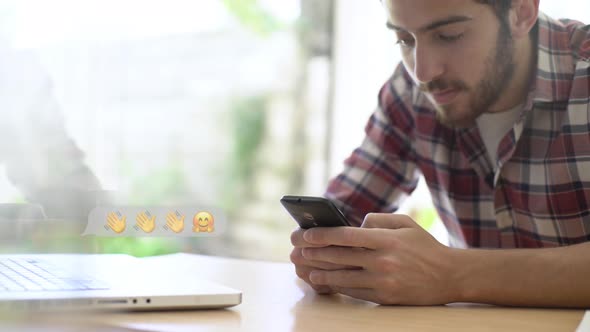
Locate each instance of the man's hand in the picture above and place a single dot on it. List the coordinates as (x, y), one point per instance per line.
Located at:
(304, 266)
(401, 263)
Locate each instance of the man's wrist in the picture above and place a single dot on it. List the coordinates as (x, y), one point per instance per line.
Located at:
(503, 277)
(476, 274)
(460, 275)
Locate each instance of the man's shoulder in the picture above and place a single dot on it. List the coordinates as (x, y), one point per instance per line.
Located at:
(563, 59)
(404, 106)
(398, 86)
(579, 43)
(401, 93)
(578, 38)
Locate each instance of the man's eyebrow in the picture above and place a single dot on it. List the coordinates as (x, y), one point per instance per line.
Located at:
(435, 24)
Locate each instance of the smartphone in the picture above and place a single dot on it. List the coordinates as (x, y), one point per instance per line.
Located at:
(311, 212)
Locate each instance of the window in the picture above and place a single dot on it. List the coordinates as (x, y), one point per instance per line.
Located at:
(218, 103)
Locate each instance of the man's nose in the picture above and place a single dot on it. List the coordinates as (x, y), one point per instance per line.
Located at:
(427, 64)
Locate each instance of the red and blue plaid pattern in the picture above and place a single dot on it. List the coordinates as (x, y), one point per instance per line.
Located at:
(540, 194)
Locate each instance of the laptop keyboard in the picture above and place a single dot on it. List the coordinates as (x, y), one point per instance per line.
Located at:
(25, 274)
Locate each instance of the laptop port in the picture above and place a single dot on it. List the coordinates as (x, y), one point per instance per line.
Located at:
(112, 301)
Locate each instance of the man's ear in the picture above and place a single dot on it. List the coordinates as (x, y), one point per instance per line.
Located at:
(523, 16)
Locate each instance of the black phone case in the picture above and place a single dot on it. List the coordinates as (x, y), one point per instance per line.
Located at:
(311, 212)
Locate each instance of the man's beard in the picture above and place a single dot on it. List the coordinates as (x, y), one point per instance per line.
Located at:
(499, 70)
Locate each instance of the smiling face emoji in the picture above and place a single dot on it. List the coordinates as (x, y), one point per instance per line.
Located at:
(203, 222)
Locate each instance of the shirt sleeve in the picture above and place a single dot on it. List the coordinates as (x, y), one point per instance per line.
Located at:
(382, 171)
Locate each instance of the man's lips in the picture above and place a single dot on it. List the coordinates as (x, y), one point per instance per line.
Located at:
(445, 96)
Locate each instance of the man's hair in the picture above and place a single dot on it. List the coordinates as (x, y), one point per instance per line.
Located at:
(501, 7)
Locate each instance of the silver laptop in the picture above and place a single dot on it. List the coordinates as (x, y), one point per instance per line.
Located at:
(49, 282)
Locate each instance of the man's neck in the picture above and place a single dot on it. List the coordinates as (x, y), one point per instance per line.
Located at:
(525, 66)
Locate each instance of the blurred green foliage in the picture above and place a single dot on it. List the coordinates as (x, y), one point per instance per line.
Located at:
(248, 123)
(247, 127)
(247, 130)
(139, 247)
(425, 217)
(160, 185)
(253, 16)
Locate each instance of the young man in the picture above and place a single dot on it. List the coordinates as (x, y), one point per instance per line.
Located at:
(491, 105)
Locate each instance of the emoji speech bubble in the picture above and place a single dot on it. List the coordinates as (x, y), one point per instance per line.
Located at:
(155, 221)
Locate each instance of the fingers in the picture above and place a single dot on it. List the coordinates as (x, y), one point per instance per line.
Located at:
(344, 256)
(112, 224)
(359, 293)
(304, 266)
(112, 217)
(175, 222)
(143, 218)
(116, 226)
(370, 235)
(303, 273)
(115, 223)
(388, 220)
(345, 237)
(299, 260)
(110, 220)
(343, 278)
(170, 219)
(298, 241)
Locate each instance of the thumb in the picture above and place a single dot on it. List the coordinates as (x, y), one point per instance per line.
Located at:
(388, 220)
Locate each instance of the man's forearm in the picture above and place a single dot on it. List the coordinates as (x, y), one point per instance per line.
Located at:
(556, 277)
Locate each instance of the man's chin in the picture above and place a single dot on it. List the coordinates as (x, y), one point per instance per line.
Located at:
(454, 118)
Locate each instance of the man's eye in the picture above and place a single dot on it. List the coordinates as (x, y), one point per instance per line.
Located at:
(452, 38)
(405, 42)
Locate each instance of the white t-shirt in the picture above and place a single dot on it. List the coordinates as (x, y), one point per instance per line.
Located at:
(494, 126)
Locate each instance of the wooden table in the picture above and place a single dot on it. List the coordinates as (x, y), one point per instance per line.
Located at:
(275, 300)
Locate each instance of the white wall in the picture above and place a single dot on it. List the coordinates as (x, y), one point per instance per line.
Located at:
(572, 9)
(365, 56)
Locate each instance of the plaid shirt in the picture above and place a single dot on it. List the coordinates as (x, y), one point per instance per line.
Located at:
(540, 194)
